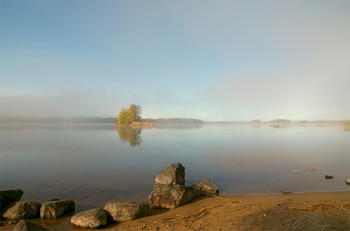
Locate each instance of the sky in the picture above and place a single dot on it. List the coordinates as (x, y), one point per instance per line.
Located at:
(212, 60)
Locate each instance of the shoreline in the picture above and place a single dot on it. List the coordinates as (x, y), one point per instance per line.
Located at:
(330, 210)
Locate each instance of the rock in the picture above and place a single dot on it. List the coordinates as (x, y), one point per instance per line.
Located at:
(347, 181)
(124, 211)
(9, 196)
(170, 196)
(24, 225)
(21, 210)
(206, 187)
(92, 218)
(328, 177)
(174, 174)
(56, 209)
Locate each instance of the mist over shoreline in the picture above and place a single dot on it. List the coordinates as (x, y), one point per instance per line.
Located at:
(110, 119)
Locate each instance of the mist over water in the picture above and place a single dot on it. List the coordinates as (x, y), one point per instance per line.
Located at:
(95, 163)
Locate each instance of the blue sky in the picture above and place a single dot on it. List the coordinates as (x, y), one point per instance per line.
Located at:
(213, 60)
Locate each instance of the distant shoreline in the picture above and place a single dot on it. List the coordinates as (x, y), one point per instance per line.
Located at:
(107, 120)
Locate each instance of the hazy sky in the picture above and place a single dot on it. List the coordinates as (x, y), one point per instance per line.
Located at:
(213, 60)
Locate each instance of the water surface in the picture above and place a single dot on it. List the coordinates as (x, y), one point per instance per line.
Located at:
(95, 163)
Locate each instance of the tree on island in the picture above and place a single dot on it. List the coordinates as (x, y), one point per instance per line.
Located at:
(130, 115)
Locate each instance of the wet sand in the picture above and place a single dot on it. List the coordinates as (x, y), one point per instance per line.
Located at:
(307, 211)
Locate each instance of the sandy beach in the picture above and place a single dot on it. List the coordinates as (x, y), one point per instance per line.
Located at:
(305, 211)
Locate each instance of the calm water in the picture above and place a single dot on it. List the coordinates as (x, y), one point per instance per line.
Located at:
(94, 163)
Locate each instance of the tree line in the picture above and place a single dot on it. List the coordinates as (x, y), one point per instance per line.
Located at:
(175, 121)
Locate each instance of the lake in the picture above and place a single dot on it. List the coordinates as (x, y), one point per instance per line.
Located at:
(95, 163)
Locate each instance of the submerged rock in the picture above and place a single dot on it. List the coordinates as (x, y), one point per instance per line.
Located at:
(205, 187)
(92, 218)
(174, 174)
(170, 196)
(124, 211)
(56, 209)
(24, 225)
(9, 196)
(347, 181)
(21, 210)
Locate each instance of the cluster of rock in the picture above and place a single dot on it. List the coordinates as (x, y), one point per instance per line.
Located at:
(114, 211)
(169, 192)
(15, 210)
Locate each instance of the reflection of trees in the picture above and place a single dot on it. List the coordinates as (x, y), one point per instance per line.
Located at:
(128, 134)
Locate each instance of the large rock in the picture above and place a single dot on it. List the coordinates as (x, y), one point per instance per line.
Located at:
(56, 209)
(174, 174)
(170, 196)
(205, 187)
(124, 211)
(92, 218)
(24, 225)
(22, 210)
(9, 196)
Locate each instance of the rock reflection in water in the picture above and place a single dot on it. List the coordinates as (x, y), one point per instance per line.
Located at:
(129, 134)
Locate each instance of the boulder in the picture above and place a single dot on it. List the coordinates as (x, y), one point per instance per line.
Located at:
(170, 196)
(9, 196)
(174, 174)
(22, 210)
(56, 209)
(92, 218)
(24, 225)
(205, 187)
(124, 211)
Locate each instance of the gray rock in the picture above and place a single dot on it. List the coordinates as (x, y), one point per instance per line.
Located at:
(21, 210)
(24, 225)
(205, 187)
(92, 218)
(125, 211)
(170, 196)
(9, 196)
(174, 174)
(56, 209)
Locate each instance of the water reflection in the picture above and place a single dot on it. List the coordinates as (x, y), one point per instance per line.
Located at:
(280, 125)
(131, 135)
